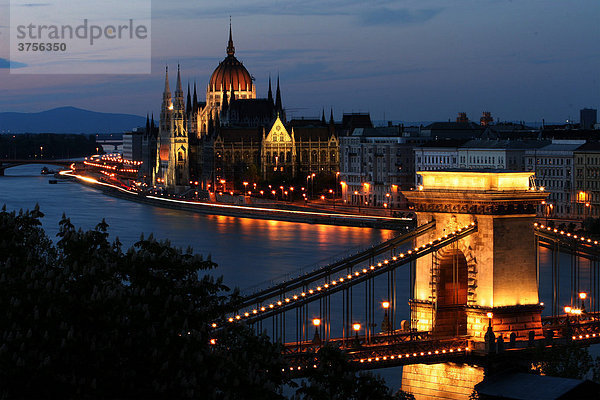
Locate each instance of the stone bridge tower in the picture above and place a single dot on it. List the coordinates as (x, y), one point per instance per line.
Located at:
(493, 270)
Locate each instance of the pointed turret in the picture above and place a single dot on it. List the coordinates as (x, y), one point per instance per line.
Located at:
(278, 105)
(147, 132)
(270, 93)
(323, 121)
(167, 89)
(178, 104)
(167, 105)
(230, 48)
(179, 89)
(331, 122)
(188, 104)
(195, 105)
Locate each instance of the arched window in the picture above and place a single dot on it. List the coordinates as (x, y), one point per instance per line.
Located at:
(323, 157)
(304, 156)
(180, 156)
(332, 157)
(314, 157)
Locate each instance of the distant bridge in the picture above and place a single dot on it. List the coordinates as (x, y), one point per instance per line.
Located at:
(9, 163)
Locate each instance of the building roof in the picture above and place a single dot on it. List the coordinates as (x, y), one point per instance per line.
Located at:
(444, 143)
(356, 120)
(504, 144)
(386, 131)
(589, 147)
(305, 122)
(523, 386)
(453, 126)
(231, 135)
(251, 110)
(557, 146)
(311, 133)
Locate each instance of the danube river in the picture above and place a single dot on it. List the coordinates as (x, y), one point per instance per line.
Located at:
(250, 253)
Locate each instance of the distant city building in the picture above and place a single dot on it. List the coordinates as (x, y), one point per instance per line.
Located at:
(462, 117)
(190, 144)
(486, 119)
(473, 154)
(588, 118)
(554, 169)
(132, 144)
(587, 180)
(452, 130)
(375, 165)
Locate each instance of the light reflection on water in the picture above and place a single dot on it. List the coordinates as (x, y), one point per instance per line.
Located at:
(249, 252)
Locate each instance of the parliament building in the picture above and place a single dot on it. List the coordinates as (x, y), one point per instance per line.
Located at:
(233, 135)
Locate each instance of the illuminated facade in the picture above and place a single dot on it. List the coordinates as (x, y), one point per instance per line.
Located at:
(487, 271)
(376, 164)
(488, 278)
(188, 130)
(172, 160)
(554, 169)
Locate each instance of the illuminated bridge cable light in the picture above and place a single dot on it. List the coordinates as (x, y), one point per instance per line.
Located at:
(326, 285)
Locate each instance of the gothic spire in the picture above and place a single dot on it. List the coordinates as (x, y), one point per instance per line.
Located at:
(167, 89)
(147, 124)
(331, 122)
(230, 48)
(195, 99)
(188, 105)
(323, 121)
(270, 94)
(278, 105)
(179, 89)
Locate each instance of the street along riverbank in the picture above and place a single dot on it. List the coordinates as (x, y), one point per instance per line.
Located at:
(268, 212)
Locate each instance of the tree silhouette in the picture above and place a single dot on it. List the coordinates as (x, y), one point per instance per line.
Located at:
(83, 318)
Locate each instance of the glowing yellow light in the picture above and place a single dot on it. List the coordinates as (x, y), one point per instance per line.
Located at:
(385, 304)
(567, 309)
(583, 295)
(356, 327)
(316, 322)
(490, 315)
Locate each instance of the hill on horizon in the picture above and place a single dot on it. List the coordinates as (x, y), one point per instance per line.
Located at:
(68, 120)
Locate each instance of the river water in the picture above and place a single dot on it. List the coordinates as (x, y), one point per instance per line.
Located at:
(251, 254)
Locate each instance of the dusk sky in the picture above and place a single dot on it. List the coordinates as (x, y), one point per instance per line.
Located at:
(408, 60)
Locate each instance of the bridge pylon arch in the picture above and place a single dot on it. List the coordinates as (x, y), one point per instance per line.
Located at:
(493, 270)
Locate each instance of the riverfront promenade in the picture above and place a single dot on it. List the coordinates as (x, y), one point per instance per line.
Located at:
(271, 211)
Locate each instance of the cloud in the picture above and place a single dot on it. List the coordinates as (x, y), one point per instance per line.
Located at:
(4, 64)
(34, 5)
(403, 16)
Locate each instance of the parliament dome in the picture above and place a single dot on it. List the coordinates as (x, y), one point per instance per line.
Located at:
(230, 71)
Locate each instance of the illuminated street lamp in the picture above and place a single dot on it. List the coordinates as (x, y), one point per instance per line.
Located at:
(583, 296)
(385, 325)
(356, 327)
(316, 323)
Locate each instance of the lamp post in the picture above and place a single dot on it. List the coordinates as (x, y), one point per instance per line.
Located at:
(583, 296)
(385, 325)
(356, 327)
(316, 339)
